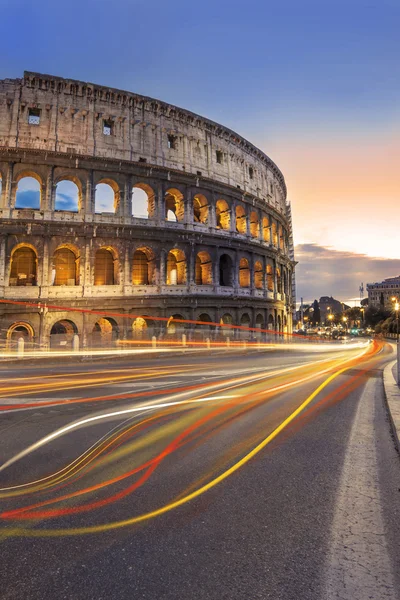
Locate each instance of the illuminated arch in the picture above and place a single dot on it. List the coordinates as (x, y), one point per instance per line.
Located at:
(223, 215)
(143, 267)
(266, 230)
(174, 205)
(105, 266)
(23, 268)
(258, 275)
(241, 220)
(203, 274)
(254, 225)
(20, 329)
(176, 267)
(244, 273)
(200, 209)
(65, 266)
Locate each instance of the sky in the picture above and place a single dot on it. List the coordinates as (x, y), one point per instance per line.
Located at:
(315, 84)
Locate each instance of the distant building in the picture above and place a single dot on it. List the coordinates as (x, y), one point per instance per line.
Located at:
(380, 294)
(329, 305)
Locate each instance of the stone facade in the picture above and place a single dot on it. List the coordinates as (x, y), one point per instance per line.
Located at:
(380, 294)
(215, 241)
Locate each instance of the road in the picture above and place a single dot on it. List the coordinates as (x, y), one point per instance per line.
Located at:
(233, 476)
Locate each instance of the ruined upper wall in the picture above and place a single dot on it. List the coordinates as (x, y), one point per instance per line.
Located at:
(72, 118)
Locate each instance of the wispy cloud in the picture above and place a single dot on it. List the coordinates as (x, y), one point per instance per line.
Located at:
(324, 271)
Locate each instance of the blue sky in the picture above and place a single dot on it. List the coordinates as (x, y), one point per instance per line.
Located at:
(313, 83)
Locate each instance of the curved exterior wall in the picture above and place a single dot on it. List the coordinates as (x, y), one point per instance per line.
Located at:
(168, 152)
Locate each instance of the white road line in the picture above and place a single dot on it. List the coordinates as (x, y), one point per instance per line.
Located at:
(359, 564)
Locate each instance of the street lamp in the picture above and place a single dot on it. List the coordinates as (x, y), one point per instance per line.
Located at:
(345, 322)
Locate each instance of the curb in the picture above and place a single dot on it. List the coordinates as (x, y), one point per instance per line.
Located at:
(392, 393)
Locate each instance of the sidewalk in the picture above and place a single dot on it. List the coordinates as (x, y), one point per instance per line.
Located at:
(392, 392)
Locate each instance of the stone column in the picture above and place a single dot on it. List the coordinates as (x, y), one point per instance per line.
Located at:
(127, 208)
(48, 195)
(163, 260)
(192, 266)
(127, 270)
(44, 290)
(252, 286)
(9, 186)
(2, 264)
(89, 199)
(188, 202)
(87, 273)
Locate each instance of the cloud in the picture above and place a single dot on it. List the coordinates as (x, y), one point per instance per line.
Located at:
(28, 199)
(324, 271)
(66, 202)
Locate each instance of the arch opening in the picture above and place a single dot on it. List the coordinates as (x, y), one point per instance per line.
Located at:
(28, 193)
(176, 267)
(106, 197)
(241, 221)
(142, 267)
(254, 225)
(223, 215)
(143, 201)
(203, 275)
(67, 196)
(266, 230)
(23, 270)
(65, 270)
(270, 278)
(244, 273)
(104, 267)
(258, 275)
(174, 205)
(200, 209)
(225, 271)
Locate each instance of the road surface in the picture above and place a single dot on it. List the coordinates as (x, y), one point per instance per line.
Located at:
(224, 476)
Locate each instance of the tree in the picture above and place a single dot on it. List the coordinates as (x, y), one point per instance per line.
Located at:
(316, 314)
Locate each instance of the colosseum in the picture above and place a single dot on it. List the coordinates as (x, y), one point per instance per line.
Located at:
(119, 202)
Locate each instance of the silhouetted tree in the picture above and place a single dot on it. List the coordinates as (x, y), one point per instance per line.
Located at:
(316, 314)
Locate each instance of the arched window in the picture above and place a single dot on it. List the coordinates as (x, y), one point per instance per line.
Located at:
(106, 197)
(200, 209)
(254, 225)
(241, 222)
(174, 205)
(281, 238)
(143, 201)
(226, 320)
(259, 321)
(23, 267)
(203, 275)
(67, 196)
(28, 193)
(18, 330)
(64, 271)
(104, 268)
(223, 215)
(245, 320)
(270, 278)
(139, 328)
(266, 230)
(140, 271)
(271, 323)
(176, 267)
(278, 280)
(62, 334)
(244, 273)
(225, 270)
(258, 275)
(274, 234)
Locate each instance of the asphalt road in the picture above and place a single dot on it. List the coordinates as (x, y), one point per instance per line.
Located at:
(192, 477)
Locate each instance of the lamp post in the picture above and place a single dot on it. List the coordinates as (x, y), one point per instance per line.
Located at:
(345, 322)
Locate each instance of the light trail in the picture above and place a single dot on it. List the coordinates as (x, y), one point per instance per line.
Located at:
(250, 393)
